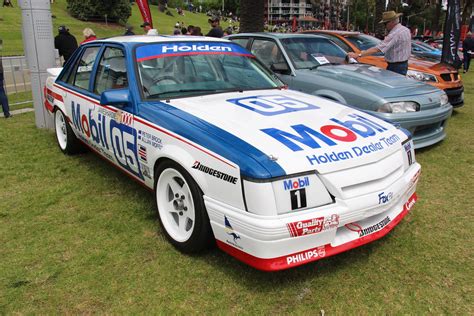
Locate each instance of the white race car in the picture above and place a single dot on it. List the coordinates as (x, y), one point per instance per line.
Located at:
(276, 177)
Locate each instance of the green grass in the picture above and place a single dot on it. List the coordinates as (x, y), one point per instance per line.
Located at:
(20, 97)
(11, 20)
(77, 236)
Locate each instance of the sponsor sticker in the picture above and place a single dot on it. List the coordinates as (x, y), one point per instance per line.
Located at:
(269, 105)
(306, 255)
(215, 173)
(370, 229)
(313, 225)
(233, 236)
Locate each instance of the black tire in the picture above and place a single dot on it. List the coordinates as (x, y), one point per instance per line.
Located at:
(175, 194)
(67, 141)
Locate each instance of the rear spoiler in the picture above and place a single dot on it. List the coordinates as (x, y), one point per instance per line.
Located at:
(54, 72)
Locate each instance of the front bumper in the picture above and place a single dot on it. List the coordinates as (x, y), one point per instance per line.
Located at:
(428, 127)
(290, 240)
(455, 96)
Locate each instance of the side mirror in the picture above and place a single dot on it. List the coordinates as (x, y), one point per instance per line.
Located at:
(118, 97)
(281, 68)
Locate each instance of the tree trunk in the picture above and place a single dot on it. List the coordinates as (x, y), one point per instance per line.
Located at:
(436, 17)
(466, 12)
(162, 5)
(251, 15)
(379, 27)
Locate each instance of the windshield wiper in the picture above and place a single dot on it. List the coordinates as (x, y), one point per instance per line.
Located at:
(326, 64)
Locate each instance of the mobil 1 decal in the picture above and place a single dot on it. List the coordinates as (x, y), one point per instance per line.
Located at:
(113, 138)
(297, 189)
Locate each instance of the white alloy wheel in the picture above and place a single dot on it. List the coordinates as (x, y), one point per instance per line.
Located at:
(175, 205)
(61, 129)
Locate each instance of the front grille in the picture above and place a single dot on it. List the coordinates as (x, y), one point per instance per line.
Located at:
(427, 129)
(446, 77)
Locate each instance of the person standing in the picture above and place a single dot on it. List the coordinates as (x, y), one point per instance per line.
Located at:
(467, 50)
(216, 30)
(89, 35)
(129, 31)
(396, 46)
(3, 94)
(65, 43)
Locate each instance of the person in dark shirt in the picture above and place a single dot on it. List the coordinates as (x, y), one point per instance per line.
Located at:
(65, 43)
(3, 94)
(467, 50)
(129, 30)
(216, 30)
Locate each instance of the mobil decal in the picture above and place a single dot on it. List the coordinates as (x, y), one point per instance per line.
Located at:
(337, 131)
(108, 135)
(296, 184)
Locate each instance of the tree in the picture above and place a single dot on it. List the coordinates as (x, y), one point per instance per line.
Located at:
(251, 15)
(466, 12)
(379, 9)
(118, 10)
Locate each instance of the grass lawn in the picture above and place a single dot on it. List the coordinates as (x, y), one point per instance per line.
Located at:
(11, 21)
(77, 236)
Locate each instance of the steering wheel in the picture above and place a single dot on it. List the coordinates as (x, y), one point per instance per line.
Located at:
(169, 78)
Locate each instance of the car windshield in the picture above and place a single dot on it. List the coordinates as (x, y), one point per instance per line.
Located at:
(181, 69)
(364, 42)
(312, 52)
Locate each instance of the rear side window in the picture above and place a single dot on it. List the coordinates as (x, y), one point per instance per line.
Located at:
(81, 75)
(241, 41)
(112, 71)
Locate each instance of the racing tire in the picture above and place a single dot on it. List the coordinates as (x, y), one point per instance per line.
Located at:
(181, 209)
(67, 141)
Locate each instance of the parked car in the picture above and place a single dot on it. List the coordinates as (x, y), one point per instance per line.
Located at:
(423, 50)
(277, 178)
(316, 65)
(442, 76)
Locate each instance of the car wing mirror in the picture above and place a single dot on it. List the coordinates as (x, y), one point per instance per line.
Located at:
(350, 60)
(117, 97)
(281, 68)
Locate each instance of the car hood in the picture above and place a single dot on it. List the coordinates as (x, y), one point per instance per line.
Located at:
(299, 132)
(378, 81)
(433, 67)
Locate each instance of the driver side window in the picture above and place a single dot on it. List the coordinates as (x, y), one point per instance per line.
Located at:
(267, 52)
(112, 71)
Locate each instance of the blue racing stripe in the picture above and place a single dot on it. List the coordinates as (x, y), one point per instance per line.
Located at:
(252, 162)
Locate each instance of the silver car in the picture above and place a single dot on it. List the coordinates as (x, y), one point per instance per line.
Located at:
(316, 65)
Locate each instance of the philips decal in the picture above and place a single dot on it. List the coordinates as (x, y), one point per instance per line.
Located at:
(306, 256)
(385, 197)
(296, 184)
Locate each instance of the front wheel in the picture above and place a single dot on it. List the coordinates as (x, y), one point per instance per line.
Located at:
(67, 141)
(181, 208)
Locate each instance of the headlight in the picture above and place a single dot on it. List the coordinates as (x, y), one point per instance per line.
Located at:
(443, 99)
(421, 76)
(399, 107)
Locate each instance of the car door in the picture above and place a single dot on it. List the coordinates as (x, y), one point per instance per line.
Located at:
(271, 55)
(78, 100)
(116, 138)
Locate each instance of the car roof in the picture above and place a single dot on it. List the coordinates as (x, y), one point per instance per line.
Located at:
(274, 35)
(140, 39)
(343, 33)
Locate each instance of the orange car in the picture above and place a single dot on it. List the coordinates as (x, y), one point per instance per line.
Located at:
(439, 75)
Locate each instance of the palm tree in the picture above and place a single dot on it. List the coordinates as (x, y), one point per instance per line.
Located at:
(251, 15)
(379, 9)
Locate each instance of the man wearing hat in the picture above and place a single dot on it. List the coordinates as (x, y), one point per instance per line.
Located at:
(396, 46)
(65, 43)
(146, 27)
(216, 30)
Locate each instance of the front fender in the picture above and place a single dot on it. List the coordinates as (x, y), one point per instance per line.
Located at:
(330, 94)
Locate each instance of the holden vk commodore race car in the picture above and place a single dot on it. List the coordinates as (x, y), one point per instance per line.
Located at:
(277, 178)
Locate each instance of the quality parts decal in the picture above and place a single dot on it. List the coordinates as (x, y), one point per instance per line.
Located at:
(313, 226)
